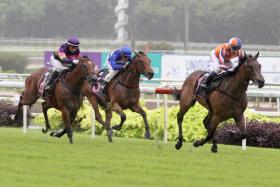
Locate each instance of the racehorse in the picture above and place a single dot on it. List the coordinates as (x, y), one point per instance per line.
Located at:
(228, 100)
(67, 95)
(123, 93)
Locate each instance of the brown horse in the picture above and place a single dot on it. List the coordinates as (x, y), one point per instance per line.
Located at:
(67, 95)
(228, 100)
(123, 93)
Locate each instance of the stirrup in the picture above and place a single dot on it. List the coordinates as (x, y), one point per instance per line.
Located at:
(203, 85)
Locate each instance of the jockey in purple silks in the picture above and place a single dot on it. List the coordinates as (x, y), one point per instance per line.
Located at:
(65, 58)
(116, 61)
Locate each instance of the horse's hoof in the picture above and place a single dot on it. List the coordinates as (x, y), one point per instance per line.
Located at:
(110, 139)
(52, 133)
(110, 134)
(178, 145)
(116, 127)
(44, 130)
(71, 141)
(197, 143)
(13, 117)
(147, 135)
(214, 149)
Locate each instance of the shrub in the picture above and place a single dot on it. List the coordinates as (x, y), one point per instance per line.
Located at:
(259, 134)
(6, 111)
(134, 125)
(13, 62)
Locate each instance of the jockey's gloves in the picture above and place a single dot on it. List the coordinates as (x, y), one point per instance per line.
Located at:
(75, 61)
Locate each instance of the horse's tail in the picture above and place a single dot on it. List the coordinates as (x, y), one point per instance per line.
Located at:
(176, 94)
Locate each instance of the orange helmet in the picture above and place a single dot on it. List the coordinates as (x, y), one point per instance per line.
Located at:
(235, 43)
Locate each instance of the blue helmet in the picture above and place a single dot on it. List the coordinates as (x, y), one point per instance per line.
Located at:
(126, 51)
(73, 41)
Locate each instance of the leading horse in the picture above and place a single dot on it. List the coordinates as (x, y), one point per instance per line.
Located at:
(123, 93)
(228, 100)
(67, 95)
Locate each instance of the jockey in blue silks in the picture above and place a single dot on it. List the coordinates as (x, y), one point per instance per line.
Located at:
(116, 61)
(66, 57)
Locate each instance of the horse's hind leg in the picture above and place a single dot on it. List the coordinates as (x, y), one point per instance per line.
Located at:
(140, 111)
(116, 108)
(45, 108)
(25, 99)
(19, 107)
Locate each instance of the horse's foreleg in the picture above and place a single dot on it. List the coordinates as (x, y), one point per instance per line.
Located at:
(180, 117)
(98, 116)
(109, 130)
(45, 108)
(67, 123)
(140, 111)
(94, 103)
(116, 108)
(211, 131)
(240, 122)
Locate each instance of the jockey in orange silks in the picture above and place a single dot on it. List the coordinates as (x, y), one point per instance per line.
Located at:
(221, 58)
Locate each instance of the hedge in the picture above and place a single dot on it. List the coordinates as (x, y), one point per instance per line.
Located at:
(193, 128)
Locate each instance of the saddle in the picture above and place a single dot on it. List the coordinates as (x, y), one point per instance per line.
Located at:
(213, 85)
(95, 85)
(42, 82)
(46, 78)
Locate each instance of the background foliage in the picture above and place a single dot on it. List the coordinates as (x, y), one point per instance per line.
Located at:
(10, 61)
(210, 21)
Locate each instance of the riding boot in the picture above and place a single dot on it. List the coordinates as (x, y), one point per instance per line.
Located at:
(102, 94)
(208, 79)
(50, 83)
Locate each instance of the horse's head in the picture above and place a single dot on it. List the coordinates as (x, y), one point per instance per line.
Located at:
(253, 69)
(87, 68)
(142, 65)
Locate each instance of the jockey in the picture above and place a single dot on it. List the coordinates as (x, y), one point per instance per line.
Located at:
(116, 61)
(66, 57)
(221, 58)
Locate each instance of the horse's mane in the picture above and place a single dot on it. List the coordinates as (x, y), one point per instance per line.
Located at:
(134, 57)
(242, 61)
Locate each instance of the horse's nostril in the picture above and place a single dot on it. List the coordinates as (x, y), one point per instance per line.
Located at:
(151, 74)
(260, 83)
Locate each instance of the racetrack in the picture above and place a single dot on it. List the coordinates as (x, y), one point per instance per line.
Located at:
(35, 159)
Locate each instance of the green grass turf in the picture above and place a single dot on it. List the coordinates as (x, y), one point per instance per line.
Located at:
(35, 159)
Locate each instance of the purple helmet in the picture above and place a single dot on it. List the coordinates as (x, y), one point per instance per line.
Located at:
(73, 41)
(126, 51)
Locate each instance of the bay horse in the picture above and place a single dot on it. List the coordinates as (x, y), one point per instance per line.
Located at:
(228, 100)
(123, 93)
(67, 95)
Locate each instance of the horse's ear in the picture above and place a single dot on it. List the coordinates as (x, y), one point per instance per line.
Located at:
(257, 55)
(135, 52)
(244, 58)
(245, 55)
